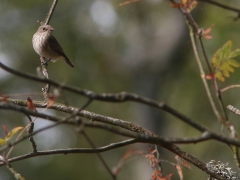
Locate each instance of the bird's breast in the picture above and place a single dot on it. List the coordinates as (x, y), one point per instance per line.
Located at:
(42, 46)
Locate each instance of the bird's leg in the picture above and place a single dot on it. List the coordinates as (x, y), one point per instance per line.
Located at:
(45, 62)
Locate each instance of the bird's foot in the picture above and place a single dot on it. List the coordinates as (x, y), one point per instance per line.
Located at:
(45, 63)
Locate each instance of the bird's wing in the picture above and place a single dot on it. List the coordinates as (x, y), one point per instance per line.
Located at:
(55, 46)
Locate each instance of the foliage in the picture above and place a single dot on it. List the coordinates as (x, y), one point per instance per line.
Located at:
(224, 61)
(9, 135)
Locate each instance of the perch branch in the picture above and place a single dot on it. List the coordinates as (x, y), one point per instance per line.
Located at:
(50, 13)
(46, 88)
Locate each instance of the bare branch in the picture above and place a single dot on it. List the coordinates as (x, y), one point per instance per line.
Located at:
(109, 120)
(50, 13)
(144, 139)
(72, 151)
(30, 130)
(234, 110)
(230, 87)
(99, 155)
(120, 97)
(223, 6)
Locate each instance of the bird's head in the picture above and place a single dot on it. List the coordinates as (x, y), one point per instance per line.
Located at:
(46, 29)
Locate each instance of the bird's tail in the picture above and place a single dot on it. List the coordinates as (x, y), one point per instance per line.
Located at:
(69, 62)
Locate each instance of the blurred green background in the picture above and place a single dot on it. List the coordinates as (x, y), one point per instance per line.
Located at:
(143, 48)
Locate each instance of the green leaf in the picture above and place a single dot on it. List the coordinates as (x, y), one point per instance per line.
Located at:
(9, 135)
(12, 132)
(219, 76)
(233, 63)
(226, 50)
(2, 142)
(234, 53)
(226, 73)
(223, 62)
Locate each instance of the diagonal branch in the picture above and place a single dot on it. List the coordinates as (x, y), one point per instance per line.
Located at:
(50, 13)
(222, 6)
(99, 155)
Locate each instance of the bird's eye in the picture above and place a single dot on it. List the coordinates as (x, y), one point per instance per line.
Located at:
(44, 29)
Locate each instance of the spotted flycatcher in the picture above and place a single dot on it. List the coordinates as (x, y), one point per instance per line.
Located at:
(46, 45)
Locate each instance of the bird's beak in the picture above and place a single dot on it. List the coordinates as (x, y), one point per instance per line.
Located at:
(52, 29)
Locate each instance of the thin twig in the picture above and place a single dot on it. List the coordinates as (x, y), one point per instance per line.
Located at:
(50, 13)
(50, 126)
(194, 29)
(223, 6)
(230, 87)
(205, 55)
(218, 93)
(72, 151)
(203, 75)
(99, 155)
(30, 130)
(234, 110)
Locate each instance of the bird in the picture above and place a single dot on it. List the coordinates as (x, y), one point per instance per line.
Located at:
(47, 46)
